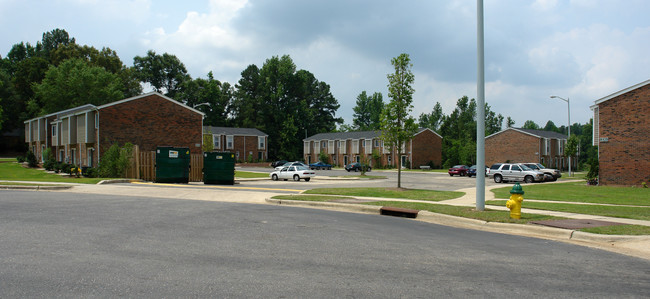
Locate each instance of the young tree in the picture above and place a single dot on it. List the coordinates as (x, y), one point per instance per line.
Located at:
(367, 112)
(510, 122)
(396, 124)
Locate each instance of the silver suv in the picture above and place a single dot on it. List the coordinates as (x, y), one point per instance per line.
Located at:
(551, 174)
(504, 172)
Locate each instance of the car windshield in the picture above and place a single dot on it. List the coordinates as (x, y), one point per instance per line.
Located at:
(524, 167)
(540, 166)
(473, 167)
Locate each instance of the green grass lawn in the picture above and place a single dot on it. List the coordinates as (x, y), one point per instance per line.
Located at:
(16, 172)
(309, 197)
(418, 194)
(609, 211)
(250, 175)
(8, 160)
(580, 192)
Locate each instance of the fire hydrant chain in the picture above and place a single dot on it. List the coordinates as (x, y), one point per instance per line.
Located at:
(514, 203)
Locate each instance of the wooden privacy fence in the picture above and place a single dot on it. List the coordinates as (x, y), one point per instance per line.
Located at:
(143, 166)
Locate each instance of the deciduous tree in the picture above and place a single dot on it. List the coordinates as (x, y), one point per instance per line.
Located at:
(396, 124)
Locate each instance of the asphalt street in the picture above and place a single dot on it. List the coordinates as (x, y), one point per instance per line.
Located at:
(61, 244)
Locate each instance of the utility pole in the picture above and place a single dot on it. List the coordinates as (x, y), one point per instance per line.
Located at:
(480, 113)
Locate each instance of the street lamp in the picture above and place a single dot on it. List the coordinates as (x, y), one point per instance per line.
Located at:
(569, 118)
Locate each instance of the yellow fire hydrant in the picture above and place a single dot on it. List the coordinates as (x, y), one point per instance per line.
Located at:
(514, 204)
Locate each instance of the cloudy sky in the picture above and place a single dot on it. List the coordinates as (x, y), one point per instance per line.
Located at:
(580, 49)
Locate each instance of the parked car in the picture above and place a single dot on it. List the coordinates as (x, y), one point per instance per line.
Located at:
(551, 174)
(504, 172)
(460, 170)
(471, 171)
(296, 163)
(357, 167)
(296, 173)
(278, 163)
(320, 165)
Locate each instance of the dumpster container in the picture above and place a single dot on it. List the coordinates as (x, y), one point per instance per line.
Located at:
(172, 164)
(219, 168)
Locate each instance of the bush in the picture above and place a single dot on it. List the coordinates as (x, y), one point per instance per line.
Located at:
(20, 159)
(116, 161)
(323, 157)
(58, 167)
(50, 161)
(66, 168)
(90, 172)
(31, 159)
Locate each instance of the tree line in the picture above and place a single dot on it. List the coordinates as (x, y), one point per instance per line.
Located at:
(57, 74)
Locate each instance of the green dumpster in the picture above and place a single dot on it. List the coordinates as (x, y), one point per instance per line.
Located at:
(219, 168)
(172, 164)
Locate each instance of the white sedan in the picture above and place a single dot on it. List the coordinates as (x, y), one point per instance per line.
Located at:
(293, 172)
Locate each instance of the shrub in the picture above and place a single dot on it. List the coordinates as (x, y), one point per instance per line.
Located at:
(116, 161)
(20, 159)
(91, 172)
(50, 161)
(31, 159)
(323, 157)
(66, 168)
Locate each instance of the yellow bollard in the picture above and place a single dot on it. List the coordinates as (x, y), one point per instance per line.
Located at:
(514, 203)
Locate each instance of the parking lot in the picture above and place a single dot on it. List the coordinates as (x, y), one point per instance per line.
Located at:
(337, 178)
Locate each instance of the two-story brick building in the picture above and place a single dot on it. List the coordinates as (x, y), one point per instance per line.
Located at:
(622, 133)
(246, 143)
(519, 145)
(82, 134)
(346, 147)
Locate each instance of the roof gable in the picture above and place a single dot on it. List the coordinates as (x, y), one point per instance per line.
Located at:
(620, 92)
(149, 94)
(535, 133)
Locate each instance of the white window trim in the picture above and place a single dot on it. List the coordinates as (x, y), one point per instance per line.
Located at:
(216, 141)
(230, 142)
(261, 142)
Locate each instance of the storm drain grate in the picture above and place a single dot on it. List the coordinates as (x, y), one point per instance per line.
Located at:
(398, 212)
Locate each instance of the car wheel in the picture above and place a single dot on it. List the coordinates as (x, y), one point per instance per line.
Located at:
(498, 178)
(554, 179)
(296, 177)
(528, 179)
(307, 179)
(274, 177)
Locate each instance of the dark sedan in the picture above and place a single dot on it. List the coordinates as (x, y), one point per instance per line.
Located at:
(357, 167)
(460, 170)
(472, 171)
(320, 165)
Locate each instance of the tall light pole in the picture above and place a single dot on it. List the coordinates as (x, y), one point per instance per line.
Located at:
(480, 109)
(568, 104)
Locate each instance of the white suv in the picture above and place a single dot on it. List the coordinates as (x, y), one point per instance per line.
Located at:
(504, 172)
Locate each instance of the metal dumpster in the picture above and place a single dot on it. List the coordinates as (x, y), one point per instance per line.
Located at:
(219, 168)
(172, 164)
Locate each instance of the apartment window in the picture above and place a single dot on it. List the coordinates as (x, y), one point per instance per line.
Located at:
(91, 153)
(342, 146)
(230, 143)
(376, 142)
(216, 141)
(61, 155)
(73, 154)
(323, 144)
(96, 120)
(306, 147)
(53, 131)
(261, 142)
(368, 146)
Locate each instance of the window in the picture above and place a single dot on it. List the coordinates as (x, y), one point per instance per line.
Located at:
(96, 120)
(216, 141)
(53, 130)
(91, 153)
(230, 143)
(330, 147)
(306, 148)
(516, 168)
(368, 146)
(61, 155)
(323, 144)
(355, 147)
(505, 167)
(376, 142)
(357, 159)
(261, 142)
(342, 146)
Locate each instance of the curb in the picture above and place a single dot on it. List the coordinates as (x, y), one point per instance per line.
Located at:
(104, 182)
(529, 230)
(21, 187)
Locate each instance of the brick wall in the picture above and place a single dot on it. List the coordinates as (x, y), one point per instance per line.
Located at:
(149, 122)
(427, 146)
(625, 121)
(512, 146)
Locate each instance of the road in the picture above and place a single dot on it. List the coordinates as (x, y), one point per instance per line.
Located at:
(61, 244)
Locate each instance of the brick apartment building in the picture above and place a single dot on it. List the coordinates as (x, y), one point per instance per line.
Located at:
(82, 134)
(246, 143)
(518, 145)
(622, 134)
(346, 147)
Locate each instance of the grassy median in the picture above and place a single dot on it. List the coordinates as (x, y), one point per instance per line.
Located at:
(13, 171)
(581, 192)
(415, 194)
